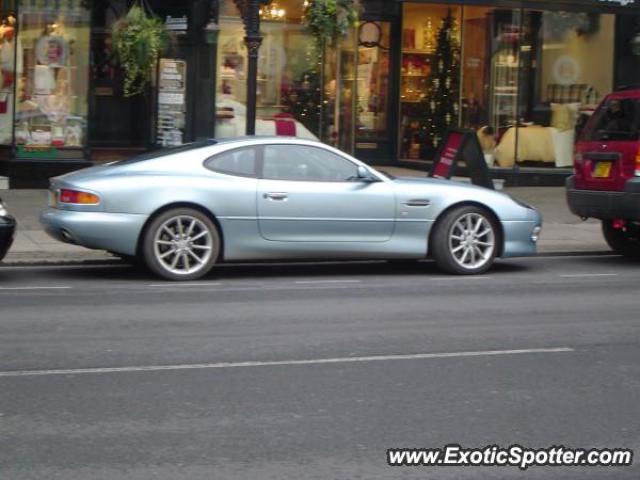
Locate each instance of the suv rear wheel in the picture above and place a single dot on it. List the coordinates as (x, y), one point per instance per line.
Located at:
(623, 241)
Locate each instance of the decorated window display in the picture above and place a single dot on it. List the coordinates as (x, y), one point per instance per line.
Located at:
(52, 76)
(7, 76)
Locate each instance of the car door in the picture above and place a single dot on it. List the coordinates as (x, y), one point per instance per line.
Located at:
(311, 194)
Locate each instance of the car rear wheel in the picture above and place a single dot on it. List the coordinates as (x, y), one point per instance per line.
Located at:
(181, 244)
(623, 241)
(465, 241)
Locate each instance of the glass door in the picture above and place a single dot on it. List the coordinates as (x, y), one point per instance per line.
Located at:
(373, 136)
(492, 55)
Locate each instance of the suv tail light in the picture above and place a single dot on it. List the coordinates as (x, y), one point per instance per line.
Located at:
(637, 170)
(78, 197)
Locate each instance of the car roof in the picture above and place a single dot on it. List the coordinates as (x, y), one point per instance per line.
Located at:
(631, 92)
(265, 139)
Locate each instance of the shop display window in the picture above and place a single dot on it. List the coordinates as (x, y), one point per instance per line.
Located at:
(7, 75)
(567, 69)
(52, 69)
(429, 77)
(289, 75)
(527, 79)
(304, 88)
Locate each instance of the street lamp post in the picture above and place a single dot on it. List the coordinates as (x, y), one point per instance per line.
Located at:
(250, 11)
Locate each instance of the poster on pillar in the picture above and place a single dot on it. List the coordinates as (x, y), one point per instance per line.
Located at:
(171, 102)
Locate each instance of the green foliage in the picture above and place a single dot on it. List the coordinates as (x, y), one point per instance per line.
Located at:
(329, 19)
(138, 41)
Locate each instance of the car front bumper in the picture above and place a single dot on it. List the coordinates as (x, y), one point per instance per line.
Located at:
(115, 232)
(7, 232)
(605, 205)
(518, 238)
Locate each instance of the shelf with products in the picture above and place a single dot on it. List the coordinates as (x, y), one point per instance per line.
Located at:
(414, 77)
(505, 72)
(417, 52)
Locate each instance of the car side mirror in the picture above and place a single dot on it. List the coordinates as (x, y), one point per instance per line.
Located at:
(364, 175)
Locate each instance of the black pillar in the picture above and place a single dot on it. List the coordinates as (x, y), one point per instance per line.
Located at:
(201, 88)
(250, 10)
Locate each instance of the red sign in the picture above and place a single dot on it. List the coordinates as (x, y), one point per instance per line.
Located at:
(443, 164)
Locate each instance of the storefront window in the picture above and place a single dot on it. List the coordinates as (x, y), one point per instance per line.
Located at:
(339, 101)
(567, 70)
(7, 74)
(429, 77)
(491, 59)
(528, 77)
(289, 74)
(52, 76)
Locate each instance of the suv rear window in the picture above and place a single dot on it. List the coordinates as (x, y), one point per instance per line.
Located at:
(617, 119)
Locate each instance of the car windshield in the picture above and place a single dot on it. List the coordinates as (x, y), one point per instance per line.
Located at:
(617, 119)
(165, 151)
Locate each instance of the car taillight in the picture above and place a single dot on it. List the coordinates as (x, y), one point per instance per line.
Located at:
(78, 197)
(637, 171)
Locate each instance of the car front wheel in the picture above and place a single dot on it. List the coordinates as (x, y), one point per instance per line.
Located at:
(465, 241)
(625, 241)
(181, 244)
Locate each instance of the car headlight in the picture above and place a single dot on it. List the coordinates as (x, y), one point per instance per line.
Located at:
(3, 210)
(535, 233)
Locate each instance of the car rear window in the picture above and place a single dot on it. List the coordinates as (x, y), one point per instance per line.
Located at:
(240, 162)
(617, 119)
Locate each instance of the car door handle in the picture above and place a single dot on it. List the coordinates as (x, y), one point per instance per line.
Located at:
(276, 195)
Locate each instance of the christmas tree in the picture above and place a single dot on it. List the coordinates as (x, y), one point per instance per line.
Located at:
(441, 103)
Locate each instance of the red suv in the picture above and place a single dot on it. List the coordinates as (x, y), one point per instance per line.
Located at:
(606, 184)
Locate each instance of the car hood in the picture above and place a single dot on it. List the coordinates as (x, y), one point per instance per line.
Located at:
(418, 181)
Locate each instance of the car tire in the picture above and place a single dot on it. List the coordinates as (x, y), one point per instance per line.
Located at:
(625, 243)
(465, 241)
(181, 244)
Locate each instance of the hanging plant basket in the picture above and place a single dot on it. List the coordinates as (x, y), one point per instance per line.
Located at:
(329, 19)
(138, 41)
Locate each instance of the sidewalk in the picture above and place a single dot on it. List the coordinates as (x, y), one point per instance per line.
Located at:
(562, 231)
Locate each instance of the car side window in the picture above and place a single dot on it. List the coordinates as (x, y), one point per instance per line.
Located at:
(303, 163)
(239, 162)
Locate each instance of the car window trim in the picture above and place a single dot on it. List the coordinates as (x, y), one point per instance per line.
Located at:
(256, 167)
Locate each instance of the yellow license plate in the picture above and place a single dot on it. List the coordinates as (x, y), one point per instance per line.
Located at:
(602, 170)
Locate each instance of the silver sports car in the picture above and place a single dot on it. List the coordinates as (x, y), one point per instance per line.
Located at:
(183, 210)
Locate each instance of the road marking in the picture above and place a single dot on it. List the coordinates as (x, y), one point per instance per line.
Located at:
(277, 363)
(308, 282)
(35, 288)
(580, 275)
(175, 284)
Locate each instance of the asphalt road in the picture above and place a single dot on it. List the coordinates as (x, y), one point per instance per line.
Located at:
(315, 370)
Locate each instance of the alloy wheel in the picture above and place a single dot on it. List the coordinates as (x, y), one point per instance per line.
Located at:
(472, 241)
(183, 245)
